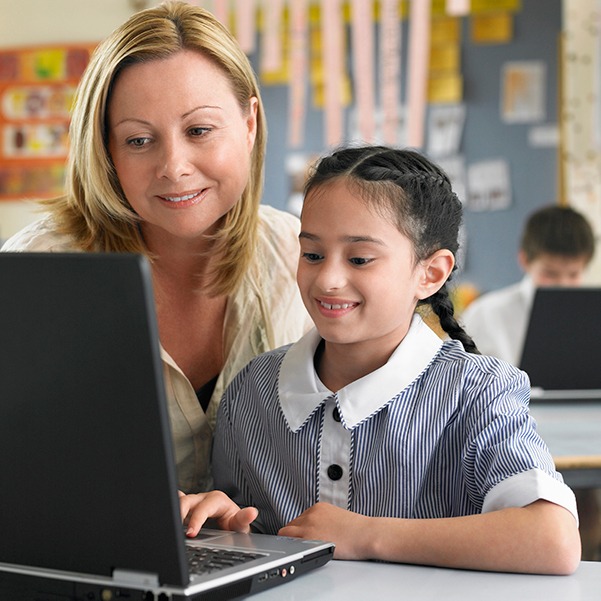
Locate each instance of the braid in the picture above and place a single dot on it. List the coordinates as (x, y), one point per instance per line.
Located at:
(442, 306)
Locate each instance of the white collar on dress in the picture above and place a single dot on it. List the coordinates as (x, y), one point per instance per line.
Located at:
(301, 391)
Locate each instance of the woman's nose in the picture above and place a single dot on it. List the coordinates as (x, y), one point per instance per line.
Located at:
(174, 161)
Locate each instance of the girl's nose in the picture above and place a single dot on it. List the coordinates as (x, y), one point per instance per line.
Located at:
(331, 276)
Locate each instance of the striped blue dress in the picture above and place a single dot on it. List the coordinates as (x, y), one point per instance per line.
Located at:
(436, 432)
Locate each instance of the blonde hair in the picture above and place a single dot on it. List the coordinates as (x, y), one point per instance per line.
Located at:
(94, 210)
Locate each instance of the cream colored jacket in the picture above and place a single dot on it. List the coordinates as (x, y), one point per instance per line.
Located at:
(265, 313)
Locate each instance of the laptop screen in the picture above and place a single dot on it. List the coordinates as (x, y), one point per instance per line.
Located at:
(85, 448)
(561, 348)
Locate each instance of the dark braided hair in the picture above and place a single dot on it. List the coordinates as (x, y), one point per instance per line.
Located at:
(417, 194)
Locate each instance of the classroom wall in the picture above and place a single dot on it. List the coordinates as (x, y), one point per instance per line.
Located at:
(491, 237)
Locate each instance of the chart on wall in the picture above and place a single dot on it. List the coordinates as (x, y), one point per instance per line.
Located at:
(37, 87)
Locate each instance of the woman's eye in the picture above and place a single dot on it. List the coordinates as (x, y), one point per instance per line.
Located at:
(360, 261)
(138, 142)
(198, 131)
(312, 257)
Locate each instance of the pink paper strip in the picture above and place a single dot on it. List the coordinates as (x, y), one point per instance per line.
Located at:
(390, 69)
(271, 59)
(363, 66)
(221, 11)
(419, 57)
(332, 43)
(298, 72)
(245, 25)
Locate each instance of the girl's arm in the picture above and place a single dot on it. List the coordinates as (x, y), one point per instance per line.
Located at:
(541, 538)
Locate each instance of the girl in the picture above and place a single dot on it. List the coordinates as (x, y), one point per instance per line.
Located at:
(371, 431)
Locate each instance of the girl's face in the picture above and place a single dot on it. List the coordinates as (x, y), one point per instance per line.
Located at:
(357, 273)
(180, 143)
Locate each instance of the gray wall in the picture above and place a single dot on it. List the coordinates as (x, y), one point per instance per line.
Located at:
(492, 237)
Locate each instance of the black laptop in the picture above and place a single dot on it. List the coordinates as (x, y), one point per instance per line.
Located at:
(562, 348)
(89, 507)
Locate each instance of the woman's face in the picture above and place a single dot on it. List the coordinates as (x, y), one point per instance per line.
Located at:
(180, 143)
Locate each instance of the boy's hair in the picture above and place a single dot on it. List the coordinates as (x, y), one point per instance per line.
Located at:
(94, 210)
(405, 186)
(556, 230)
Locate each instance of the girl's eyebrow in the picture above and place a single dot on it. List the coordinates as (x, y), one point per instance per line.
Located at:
(348, 239)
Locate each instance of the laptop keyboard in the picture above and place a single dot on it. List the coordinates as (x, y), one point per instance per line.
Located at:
(204, 560)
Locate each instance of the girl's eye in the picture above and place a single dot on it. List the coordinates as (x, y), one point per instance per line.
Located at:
(312, 257)
(360, 261)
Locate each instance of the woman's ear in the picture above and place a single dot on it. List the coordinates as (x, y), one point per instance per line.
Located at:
(436, 270)
(251, 121)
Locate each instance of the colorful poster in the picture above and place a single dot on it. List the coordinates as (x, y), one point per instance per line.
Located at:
(37, 87)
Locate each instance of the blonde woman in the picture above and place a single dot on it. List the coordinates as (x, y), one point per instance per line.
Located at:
(167, 150)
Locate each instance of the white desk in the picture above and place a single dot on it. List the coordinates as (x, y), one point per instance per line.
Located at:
(350, 580)
(572, 431)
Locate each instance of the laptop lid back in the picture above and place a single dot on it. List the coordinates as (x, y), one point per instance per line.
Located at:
(562, 340)
(82, 490)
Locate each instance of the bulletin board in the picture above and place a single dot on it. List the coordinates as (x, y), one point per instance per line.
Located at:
(37, 87)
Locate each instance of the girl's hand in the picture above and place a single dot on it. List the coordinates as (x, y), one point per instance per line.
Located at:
(197, 509)
(330, 523)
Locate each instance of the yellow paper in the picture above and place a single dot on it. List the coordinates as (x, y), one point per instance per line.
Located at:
(444, 57)
(494, 28)
(487, 6)
(445, 88)
(44, 65)
(445, 30)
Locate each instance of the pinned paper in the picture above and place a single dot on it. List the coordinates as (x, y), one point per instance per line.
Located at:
(419, 56)
(221, 11)
(445, 87)
(458, 8)
(333, 61)
(445, 129)
(271, 59)
(487, 6)
(298, 72)
(495, 28)
(524, 95)
(390, 69)
(489, 186)
(245, 25)
(363, 60)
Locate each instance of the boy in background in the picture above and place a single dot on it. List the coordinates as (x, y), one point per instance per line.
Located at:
(556, 247)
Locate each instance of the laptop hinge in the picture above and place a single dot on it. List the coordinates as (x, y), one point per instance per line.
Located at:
(144, 579)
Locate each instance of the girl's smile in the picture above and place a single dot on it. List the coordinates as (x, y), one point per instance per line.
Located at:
(357, 273)
(335, 307)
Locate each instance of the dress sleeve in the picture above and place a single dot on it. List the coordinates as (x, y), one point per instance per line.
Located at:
(507, 462)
